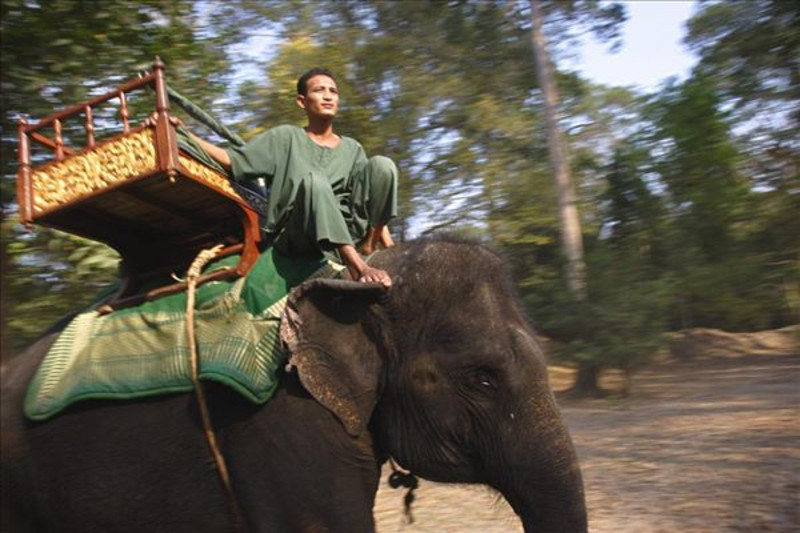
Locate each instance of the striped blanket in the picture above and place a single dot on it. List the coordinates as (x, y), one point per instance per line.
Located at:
(144, 351)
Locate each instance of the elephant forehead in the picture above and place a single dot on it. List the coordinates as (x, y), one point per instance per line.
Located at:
(525, 340)
(470, 304)
(424, 373)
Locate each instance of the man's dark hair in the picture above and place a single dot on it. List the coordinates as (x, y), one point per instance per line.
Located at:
(302, 83)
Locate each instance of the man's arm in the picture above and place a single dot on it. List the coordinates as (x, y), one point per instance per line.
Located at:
(219, 154)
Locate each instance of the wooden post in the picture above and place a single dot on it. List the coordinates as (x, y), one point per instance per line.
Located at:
(24, 175)
(162, 98)
(123, 111)
(89, 126)
(59, 140)
(166, 142)
(251, 235)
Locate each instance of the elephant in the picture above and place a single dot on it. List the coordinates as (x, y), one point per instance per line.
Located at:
(442, 373)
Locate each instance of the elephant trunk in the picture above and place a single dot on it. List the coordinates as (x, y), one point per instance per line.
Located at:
(558, 508)
(545, 486)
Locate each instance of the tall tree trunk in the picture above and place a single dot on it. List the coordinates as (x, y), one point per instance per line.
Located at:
(587, 381)
(569, 219)
(571, 239)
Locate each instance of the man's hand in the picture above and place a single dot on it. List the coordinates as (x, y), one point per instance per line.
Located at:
(375, 275)
(220, 155)
(153, 119)
(361, 271)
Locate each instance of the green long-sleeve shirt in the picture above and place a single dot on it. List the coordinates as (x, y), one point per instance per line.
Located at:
(284, 156)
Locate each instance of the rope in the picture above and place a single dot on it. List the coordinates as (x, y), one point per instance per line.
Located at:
(222, 469)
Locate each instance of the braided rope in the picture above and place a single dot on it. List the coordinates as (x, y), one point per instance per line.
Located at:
(192, 275)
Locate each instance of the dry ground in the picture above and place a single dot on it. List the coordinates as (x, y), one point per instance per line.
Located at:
(709, 441)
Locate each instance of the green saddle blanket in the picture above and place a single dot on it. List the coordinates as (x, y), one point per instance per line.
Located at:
(144, 350)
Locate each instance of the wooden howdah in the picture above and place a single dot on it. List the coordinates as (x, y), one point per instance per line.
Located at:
(137, 192)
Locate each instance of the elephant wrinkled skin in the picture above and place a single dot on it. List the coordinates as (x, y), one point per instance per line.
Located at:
(442, 372)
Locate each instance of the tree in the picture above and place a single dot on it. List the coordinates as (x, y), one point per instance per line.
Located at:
(443, 116)
(570, 226)
(51, 273)
(724, 274)
(58, 53)
(749, 51)
(633, 215)
(699, 164)
(619, 324)
(571, 237)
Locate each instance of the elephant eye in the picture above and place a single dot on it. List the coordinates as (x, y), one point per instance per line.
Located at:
(484, 379)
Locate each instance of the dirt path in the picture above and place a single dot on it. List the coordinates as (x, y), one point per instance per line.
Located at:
(708, 446)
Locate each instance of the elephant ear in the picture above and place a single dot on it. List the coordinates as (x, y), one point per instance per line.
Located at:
(323, 331)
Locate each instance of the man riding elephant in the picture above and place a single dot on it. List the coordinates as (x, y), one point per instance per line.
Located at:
(325, 194)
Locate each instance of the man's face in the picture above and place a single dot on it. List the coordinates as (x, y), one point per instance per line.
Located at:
(321, 98)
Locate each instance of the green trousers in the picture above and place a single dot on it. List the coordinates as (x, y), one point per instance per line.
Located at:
(320, 220)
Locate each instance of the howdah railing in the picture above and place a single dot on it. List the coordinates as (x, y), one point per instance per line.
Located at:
(136, 191)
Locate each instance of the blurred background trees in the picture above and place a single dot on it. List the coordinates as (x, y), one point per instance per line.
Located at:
(688, 196)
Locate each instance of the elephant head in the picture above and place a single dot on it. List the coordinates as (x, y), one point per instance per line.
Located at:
(444, 370)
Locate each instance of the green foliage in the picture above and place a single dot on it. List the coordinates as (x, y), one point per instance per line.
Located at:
(750, 50)
(621, 322)
(55, 54)
(461, 116)
(731, 293)
(751, 47)
(568, 19)
(716, 218)
(47, 45)
(699, 165)
(633, 213)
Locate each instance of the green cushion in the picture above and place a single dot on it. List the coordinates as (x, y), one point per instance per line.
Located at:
(143, 351)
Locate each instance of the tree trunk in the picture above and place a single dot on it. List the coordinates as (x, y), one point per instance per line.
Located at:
(569, 219)
(571, 238)
(586, 381)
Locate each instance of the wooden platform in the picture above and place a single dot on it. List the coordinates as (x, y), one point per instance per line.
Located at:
(136, 192)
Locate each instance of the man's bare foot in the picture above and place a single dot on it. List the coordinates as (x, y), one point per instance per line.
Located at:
(378, 236)
(361, 271)
(386, 238)
(368, 245)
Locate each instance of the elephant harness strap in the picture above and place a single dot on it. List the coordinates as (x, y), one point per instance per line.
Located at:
(222, 469)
